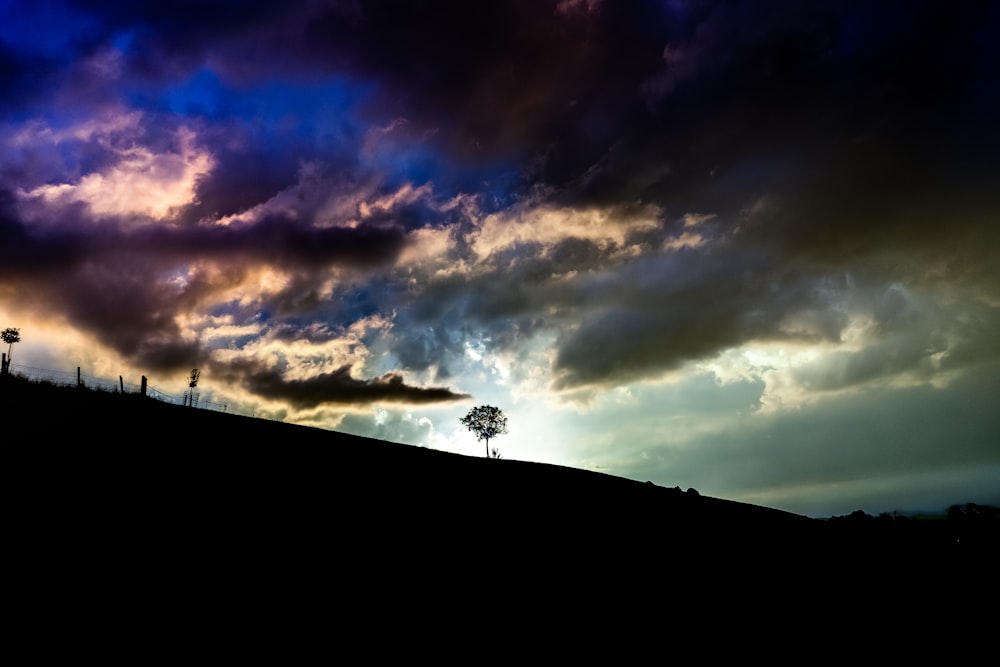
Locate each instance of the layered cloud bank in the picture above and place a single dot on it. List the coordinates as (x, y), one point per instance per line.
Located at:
(665, 237)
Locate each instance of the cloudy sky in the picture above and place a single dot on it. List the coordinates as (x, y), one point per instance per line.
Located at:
(746, 247)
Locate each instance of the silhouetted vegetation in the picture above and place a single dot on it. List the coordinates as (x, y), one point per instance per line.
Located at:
(961, 526)
(9, 336)
(486, 422)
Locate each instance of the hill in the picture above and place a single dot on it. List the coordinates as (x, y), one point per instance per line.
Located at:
(126, 496)
(85, 442)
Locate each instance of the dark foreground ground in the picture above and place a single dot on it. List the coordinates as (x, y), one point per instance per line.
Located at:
(147, 518)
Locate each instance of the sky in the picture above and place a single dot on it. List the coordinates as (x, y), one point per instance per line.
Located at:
(749, 248)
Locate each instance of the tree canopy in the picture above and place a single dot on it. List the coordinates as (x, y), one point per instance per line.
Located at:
(486, 422)
(10, 336)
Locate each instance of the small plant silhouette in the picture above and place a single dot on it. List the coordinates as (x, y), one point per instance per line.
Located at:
(190, 398)
(486, 422)
(10, 336)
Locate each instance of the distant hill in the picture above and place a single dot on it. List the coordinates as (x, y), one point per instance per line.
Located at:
(119, 486)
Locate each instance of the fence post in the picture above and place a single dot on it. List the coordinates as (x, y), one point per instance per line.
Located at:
(121, 383)
(143, 389)
(79, 382)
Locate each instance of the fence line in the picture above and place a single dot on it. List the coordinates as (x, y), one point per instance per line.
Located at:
(93, 382)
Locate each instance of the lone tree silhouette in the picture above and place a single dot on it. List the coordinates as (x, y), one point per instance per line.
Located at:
(10, 336)
(486, 422)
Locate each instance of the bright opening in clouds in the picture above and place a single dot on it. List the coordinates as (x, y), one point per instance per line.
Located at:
(746, 247)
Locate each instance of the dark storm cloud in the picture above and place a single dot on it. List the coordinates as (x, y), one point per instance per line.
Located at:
(240, 181)
(338, 387)
(866, 128)
(117, 295)
(576, 83)
(860, 137)
(869, 124)
(126, 287)
(662, 312)
(288, 243)
(274, 240)
(617, 316)
(127, 312)
(24, 253)
(877, 142)
(857, 138)
(693, 105)
(527, 74)
(123, 285)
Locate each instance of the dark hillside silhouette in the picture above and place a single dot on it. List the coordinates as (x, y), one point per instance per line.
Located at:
(173, 503)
